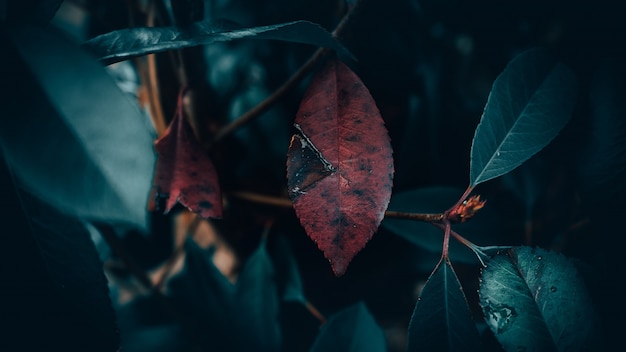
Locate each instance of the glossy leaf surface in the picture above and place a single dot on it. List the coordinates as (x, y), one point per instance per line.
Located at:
(70, 136)
(232, 317)
(128, 43)
(483, 229)
(529, 103)
(184, 172)
(442, 320)
(534, 300)
(340, 165)
(353, 329)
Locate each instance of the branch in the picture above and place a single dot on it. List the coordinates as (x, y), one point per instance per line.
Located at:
(291, 83)
(286, 203)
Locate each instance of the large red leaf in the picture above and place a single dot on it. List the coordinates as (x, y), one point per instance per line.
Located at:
(184, 172)
(340, 165)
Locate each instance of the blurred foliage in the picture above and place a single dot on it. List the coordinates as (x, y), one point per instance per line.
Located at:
(429, 65)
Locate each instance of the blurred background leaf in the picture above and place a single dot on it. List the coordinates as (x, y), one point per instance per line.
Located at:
(54, 294)
(69, 135)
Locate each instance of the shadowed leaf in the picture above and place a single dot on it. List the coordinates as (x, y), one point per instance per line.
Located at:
(184, 172)
(534, 300)
(34, 11)
(128, 43)
(603, 164)
(529, 103)
(340, 166)
(54, 292)
(232, 317)
(288, 272)
(442, 320)
(353, 329)
(70, 136)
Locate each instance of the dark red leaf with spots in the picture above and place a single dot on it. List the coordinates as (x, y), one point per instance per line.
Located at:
(184, 171)
(339, 165)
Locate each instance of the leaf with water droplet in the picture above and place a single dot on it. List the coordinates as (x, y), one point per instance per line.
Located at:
(529, 103)
(534, 300)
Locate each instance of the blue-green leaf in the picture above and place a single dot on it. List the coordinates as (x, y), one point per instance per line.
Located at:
(442, 320)
(128, 43)
(69, 135)
(534, 300)
(353, 329)
(232, 317)
(530, 102)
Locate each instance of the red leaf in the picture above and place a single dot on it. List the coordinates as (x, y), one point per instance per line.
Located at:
(340, 166)
(184, 172)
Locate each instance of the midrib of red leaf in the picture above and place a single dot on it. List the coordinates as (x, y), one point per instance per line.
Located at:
(341, 224)
(184, 172)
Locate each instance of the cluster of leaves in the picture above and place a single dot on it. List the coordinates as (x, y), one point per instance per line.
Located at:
(340, 175)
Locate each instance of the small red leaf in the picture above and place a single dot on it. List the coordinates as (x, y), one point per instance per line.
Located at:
(340, 165)
(184, 172)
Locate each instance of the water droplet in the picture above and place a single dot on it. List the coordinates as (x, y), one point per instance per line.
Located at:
(539, 257)
(497, 153)
(499, 317)
(553, 289)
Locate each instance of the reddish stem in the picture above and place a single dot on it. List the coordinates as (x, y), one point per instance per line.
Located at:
(466, 194)
(446, 238)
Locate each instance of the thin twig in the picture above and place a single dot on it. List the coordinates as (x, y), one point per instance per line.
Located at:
(286, 203)
(434, 218)
(290, 84)
(178, 251)
(135, 270)
(315, 312)
(151, 79)
(262, 199)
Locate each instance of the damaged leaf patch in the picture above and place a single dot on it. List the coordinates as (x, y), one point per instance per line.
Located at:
(339, 165)
(184, 172)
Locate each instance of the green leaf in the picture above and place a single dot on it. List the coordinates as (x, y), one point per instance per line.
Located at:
(442, 320)
(534, 300)
(483, 228)
(128, 43)
(232, 317)
(529, 103)
(69, 135)
(352, 329)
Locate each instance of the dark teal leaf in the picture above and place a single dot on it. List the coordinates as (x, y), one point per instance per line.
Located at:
(529, 103)
(483, 229)
(69, 135)
(529, 182)
(128, 43)
(33, 11)
(288, 272)
(233, 317)
(602, 166)
(352, 329)
(54, 292)
(442, 320)
(534, 300)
